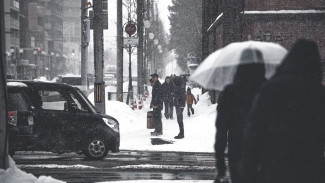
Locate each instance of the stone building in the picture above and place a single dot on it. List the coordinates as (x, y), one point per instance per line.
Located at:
(281, 21)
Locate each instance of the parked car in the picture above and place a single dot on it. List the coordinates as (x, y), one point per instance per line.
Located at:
(59, 118)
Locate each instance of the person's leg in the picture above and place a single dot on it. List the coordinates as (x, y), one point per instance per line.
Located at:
(157, 120)
(192, 109)
(234, 170)
(166, 109)
(179, 113)
(171, 110)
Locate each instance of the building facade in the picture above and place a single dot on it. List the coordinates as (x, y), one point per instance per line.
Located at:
(72, 35)
(12, 31)
(34, 38)
(280, 21)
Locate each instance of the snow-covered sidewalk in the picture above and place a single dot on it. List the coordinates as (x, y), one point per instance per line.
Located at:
(199, 128)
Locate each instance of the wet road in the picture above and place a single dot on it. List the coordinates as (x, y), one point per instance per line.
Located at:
(125, 165)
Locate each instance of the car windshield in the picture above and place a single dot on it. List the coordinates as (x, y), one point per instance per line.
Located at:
(90, 105)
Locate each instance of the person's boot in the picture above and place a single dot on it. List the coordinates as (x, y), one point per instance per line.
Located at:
(180, 135)
(192, 111)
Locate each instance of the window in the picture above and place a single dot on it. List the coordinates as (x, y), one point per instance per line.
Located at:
(76, 101)
(52, 100)
(16, 102)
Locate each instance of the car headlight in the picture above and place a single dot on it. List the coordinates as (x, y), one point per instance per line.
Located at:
(112, 124)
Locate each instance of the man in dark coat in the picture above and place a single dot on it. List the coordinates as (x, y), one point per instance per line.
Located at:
(285, 135)
(179, 102)
(168, 88)
(233, 109)
(156, 104)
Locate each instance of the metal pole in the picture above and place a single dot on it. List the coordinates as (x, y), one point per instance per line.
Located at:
(84, 45)
(3, 97)
(119, 84)
(98, 57)
(130, 89)
(140, 7)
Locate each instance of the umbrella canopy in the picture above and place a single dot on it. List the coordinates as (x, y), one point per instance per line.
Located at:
(219, 68)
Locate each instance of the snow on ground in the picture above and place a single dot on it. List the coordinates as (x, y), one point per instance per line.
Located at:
(78, 166)
(14, 175)
(165, 167)
(199, 128)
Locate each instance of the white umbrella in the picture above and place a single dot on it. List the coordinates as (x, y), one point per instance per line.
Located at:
(219, 68)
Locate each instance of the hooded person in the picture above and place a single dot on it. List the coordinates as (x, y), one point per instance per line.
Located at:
(233, 108)
(190, 99)
(179, 102)
(168, 88)
(285, 134)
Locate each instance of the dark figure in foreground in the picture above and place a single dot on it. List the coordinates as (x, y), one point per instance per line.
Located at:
(285, 135)
(156, 104)
(179, 102)
(168, 88)
(189, 101)
(233, 108)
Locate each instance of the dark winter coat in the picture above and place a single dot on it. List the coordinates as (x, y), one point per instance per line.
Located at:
(285, 135)
(168, 89)
(234, 104)
(157, 95)
(179, 92)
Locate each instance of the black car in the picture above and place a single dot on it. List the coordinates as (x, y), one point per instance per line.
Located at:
(59, 118)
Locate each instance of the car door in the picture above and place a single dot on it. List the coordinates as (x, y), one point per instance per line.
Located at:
(53, 119)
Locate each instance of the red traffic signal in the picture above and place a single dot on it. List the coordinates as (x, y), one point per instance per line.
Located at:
(38, 49)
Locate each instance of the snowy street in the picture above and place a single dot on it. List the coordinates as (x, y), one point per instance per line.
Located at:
(126, 165)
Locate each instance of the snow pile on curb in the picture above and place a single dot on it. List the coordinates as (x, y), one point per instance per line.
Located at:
(199, 128)
(14, 175)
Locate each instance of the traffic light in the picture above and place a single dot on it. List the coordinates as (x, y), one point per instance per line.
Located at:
(38, 49)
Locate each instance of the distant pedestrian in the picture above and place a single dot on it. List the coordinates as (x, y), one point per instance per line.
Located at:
(168, 88)
(285, 135)
(189, 101)
(156, 104)
(234, 104)
(179, 102)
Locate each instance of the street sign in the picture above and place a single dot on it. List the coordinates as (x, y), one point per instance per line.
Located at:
(130, 28)
(133, 41)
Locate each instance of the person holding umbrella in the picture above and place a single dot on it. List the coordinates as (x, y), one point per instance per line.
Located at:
(233, 108)
(285, 135)
(238, 70)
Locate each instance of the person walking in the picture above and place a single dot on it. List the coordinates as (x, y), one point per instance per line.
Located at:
(233, 108)
(285, 135)
(156, 104)
(189, 101)
(179, 102)
(168, 88)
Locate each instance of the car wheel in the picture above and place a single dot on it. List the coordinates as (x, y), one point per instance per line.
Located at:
(96, 148)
